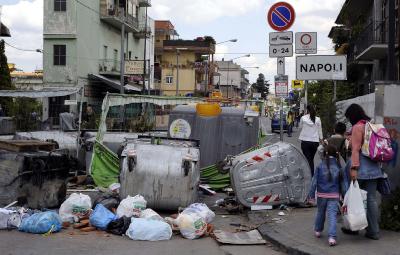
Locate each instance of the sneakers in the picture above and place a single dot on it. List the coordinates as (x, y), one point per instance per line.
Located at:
(317, 234)
(370, 236)
(332, 241)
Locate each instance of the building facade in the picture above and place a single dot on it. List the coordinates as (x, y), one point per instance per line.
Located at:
(183, 67)
(229, 79)
(362, 32)
(82, 46)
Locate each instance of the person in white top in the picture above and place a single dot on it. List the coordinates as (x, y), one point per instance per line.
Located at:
(310, 135)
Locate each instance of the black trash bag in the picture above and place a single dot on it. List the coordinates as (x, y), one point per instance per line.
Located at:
(119, 226)
(109, 201)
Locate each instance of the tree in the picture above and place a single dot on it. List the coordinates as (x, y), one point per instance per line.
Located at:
(5, 79)
(261, 86)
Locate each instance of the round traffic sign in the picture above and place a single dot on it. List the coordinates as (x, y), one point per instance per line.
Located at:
(281, 16)
(306, 39)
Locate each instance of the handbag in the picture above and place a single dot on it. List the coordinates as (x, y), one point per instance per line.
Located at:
(384, 185)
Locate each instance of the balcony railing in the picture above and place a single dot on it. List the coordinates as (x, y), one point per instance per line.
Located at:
(144, 3)
(116, 16)
(373, 34)
(144, 31)
(107, 66)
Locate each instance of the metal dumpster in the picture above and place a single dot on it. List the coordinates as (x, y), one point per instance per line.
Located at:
(36, 179)
(275, 174)
(165, 171)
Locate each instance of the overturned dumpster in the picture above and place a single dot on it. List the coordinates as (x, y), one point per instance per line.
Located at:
(33, 175)
(271, 175)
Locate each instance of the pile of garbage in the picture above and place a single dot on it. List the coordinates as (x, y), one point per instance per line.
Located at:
(129, 217)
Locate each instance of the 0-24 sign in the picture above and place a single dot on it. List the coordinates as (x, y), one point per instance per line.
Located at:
(277, 51)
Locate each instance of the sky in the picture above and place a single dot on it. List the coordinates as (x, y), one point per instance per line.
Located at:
(244, 20)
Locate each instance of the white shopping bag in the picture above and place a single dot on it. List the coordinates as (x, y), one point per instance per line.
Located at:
(354, 213)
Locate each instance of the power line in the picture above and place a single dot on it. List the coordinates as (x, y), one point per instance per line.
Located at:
(17, 48)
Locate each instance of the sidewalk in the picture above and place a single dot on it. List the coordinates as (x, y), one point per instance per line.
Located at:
(295, 236)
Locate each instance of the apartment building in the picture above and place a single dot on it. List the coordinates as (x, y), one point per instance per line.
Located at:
(362, 32)
(82, 47)
(229, 78)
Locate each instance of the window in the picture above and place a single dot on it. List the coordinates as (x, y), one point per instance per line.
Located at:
(60, 5)
(60, 57)
(115, 60)
(105, 52)
(169, 79)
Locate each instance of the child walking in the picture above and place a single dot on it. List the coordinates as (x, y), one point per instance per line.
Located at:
(328, 184)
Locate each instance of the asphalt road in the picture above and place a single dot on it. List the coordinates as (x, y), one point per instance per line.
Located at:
(100, 243)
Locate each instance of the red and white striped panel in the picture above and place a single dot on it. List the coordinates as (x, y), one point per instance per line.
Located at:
(266, 199)
(258, 158)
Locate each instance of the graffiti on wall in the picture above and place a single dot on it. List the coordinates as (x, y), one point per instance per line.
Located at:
(393, 126)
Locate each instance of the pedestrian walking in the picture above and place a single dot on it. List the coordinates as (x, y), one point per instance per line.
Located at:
(310, 135)
(363, 169)
(338, 139)
(290, 123)
(328, 184)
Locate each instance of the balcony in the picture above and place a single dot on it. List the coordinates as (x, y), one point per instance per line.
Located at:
(144, 3)
(109, 66)
(143, 31)
(116, 16)
(372, 42)
(205, 47)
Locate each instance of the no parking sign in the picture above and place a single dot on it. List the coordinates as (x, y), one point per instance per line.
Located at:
(281, 16)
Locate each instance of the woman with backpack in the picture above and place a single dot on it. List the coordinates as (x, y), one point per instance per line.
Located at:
(310, 135)
(363, 169)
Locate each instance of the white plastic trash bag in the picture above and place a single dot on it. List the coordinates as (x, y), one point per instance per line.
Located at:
(9, 219)
(150, 214)
(354, 213)
(203, 211)
(77, 205)
(191, 224)
(131, 206)
(149, 230)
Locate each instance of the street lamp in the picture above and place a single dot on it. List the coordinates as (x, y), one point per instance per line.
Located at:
(231, 40)
(177, 69)
(227, 79)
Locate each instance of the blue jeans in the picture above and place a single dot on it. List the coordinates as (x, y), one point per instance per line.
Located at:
(327, 206)
(372, 206)
(290, 129)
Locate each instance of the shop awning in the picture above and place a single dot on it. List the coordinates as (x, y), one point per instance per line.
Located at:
(113, 83)
(38, 93)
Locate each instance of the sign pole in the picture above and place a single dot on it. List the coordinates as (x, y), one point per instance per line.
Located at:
(281, 121)
(306, 91)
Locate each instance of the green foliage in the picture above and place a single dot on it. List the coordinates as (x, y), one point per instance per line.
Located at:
(5, 79)
(320, 94)
(390, 212)
(261, 86)
(27, 112)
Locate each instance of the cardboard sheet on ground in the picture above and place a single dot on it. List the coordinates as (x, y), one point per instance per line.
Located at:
(251, 237)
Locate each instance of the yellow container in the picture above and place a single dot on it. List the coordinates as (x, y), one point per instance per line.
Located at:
(255, 108)
(208, 109)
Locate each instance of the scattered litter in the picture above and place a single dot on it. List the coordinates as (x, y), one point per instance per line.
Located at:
(41, 223)
(110, 201)
(9, 219)
(131, 206)
(149, 230)
(192, 222)
(10, 205)
(219, 202)
(261, 207)
(244, 238)
(281, 214)
(101, 217)
(150, 214)
(283, 207)
(224, 216)
(278, 220)
(75, 207)
(119, 226)
(207, 190)
(115, 187)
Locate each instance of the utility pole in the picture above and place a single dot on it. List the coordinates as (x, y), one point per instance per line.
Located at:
(306, 91)
(392, 41)
(145, 56)
(227, 81)
(122, 67)
(177, 72)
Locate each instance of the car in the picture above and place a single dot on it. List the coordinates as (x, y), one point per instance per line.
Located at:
(275, 122)
(286, 38)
